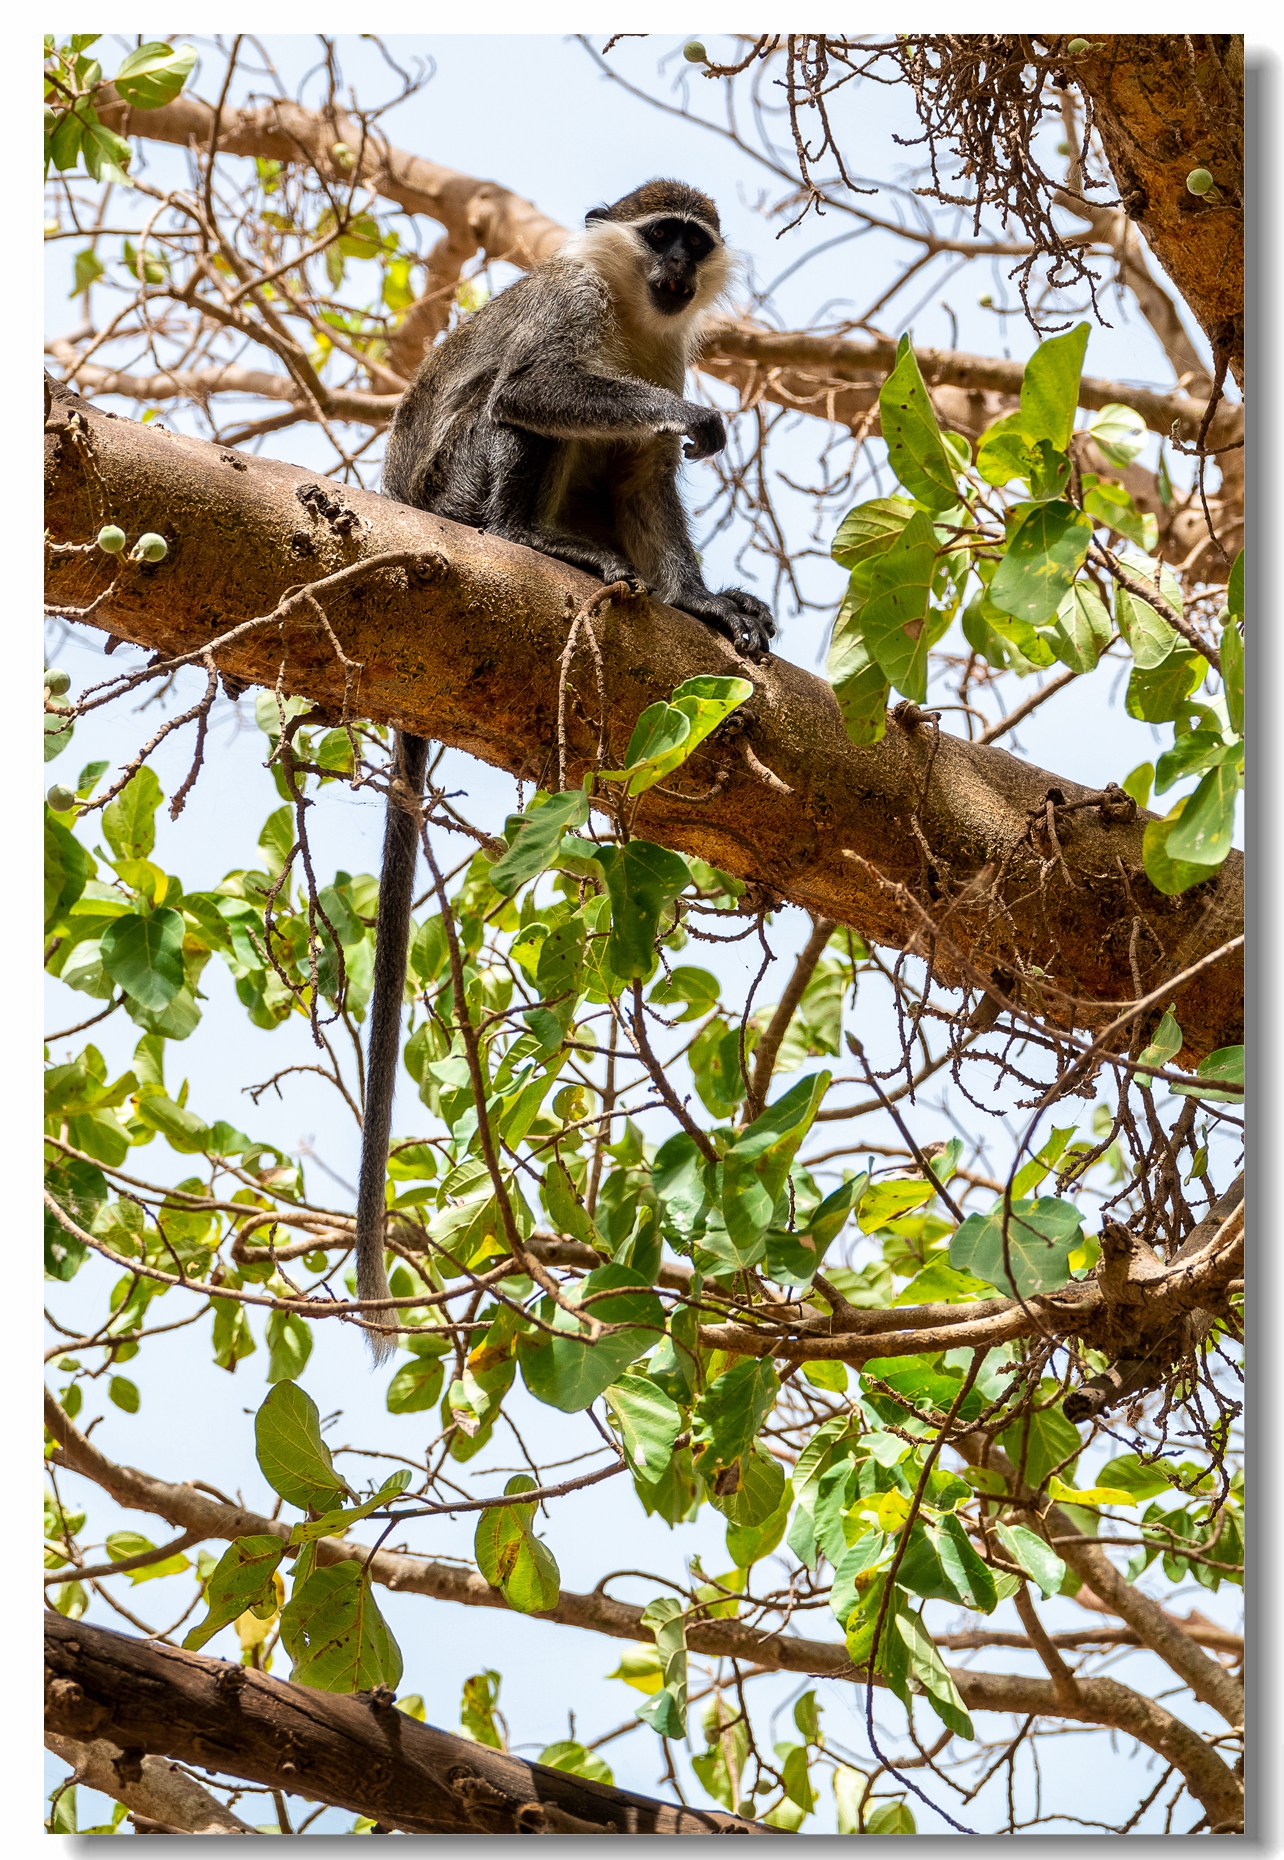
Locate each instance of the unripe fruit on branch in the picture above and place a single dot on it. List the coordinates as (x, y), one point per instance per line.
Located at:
(111, 539)
(149, 548)
(341, 155)
(694, 53)
(61, 799)
(57, 681)
(1077, 47)
(1198, 181)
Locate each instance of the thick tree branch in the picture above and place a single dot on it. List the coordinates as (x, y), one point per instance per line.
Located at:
(354, 1753)
(467, 653)
(1101, 1701)
(148, 1785)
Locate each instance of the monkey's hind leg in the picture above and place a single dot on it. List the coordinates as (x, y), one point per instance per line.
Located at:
(383, 1048)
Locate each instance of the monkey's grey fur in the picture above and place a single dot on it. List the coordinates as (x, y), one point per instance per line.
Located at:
(555, 417)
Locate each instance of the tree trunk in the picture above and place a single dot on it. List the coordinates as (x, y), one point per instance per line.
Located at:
(464, 647)
(1166, 104)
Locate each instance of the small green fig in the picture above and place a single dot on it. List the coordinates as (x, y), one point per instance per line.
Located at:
(1077, 47)
(111, 539)
(694, 53)
(985, 300)
(341, 155)
(61, 799)
(1198, 181)
(150, 548)
(57, 681)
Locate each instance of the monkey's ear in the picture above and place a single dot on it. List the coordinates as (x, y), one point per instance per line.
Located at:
(597, 213)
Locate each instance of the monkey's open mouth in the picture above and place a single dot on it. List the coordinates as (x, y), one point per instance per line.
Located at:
(670, 298)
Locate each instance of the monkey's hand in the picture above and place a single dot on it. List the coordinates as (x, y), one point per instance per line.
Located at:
(733, 611)
(706, 430)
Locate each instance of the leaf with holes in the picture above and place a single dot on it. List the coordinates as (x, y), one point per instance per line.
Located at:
(336, 1637)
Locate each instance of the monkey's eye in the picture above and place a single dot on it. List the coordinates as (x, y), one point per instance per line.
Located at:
(659, 234)
(697, 242)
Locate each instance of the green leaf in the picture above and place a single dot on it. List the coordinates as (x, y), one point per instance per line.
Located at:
(154, 74)
(124, 1393)
(416, 1385)
(67, 870)
(105, 154)
(1048, 1440)
(570, 1373)
(1171, 876)
(477, 1709)
(565, 1209)
(1202, 835)
(860, 686)
(714, 1059)
(1042, 1234)
(535, 838)
(1134, 1477)
(1119, 432)
(1225, 1066)
(659, 744)
(512, 1558)
(289, 1341)
(649, 1425)
(941, 1283)
(754, 1169)
(122, 1544)
(641, 878)
(87, 269)
(1161, 695)
(973, 1579)
(1193, 754)
(696, 987)
(1050, 388)
(760, 1491)
(1030, 1553)
(891, 1818)
(145, 956)
(747, 1544)
(895, 618)
(869, 529)
(1162, 1049)
(929, 1669)
(666, 1710)
(129, 821)
(577, 1761)
(915, 450)
(1043, 556)
(729, 1415)
(241, 1579)
(1030, 1174)
(1082, 629)
(334, 1523)
(1232, 674)
(293, 1458)
(883, 1201)
(333, 1632)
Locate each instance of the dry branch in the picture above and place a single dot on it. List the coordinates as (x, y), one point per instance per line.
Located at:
(1100, 1701)
(355, 1753)
(468, 654)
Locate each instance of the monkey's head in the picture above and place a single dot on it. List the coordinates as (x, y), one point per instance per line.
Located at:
(669, 236)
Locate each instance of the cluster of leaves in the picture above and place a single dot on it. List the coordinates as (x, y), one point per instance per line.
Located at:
(148, 77)
(542, 943)
(1009, 543)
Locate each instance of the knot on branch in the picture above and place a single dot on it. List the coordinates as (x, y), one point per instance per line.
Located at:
(329, 509)
(911, 716)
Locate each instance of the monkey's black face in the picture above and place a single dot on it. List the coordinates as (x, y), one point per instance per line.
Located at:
(680, 247)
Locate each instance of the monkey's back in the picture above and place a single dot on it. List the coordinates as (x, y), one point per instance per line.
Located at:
(437, 446)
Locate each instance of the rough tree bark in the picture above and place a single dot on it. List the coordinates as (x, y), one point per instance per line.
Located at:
(465, 649)
(356, 1753)
(1165, 104)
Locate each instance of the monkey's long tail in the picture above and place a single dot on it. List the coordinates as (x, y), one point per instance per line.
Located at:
(383, 1049)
